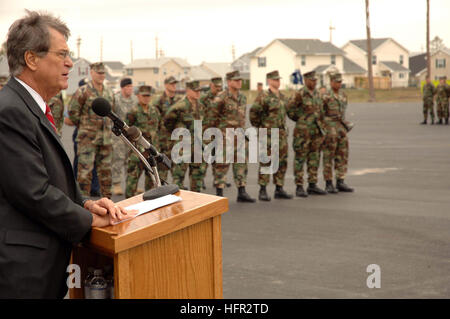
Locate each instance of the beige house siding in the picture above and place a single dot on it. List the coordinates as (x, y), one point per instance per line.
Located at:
(438, 72)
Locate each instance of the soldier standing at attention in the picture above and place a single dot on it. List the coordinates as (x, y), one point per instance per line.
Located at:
(335, 147)
(147, 118)
(306, 109)
(259, 89)
(269, 111)
(442, 100)
(94, 132)
(182, 115)
(56, 105)
(163, 102)
(428, 93)
(125, 100)
(228, 111)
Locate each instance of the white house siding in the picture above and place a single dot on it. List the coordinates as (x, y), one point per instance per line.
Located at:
(356, 55)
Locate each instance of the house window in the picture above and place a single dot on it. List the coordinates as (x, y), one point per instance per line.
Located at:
(374, 59)
(262, 62)
(129, 71)
(164, 71)
(155, 71)
(333, 59)
(401, 60)
(440, 63)
(303, 60)
(157, 84)
(401, 75)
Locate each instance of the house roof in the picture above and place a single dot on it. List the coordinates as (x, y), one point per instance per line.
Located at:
(321, 68)
(417, 63)
(155, 63)
(352, 68)
(311, 46)
(394, 66)
(199, 72)
(362, 44)
(114, 65)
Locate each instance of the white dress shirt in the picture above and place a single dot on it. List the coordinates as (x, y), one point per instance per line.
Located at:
(39, 100)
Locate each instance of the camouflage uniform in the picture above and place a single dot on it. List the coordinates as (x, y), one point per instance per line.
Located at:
(335, 146)
(428, 104)
(269, 111)
(56, 105)
(163, 102)
(94, 138)
(306, 109)
(148, 119)
(120, 149)
(228, 111)
(442, 101)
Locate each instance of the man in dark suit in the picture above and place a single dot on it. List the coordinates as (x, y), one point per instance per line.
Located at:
(42, 213)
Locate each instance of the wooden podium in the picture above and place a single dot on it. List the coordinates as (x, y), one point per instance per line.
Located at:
(173, 252)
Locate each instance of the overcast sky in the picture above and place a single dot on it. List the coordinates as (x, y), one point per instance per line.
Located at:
(204, 30)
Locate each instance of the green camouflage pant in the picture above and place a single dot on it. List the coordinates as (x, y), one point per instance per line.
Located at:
(100, 154)
(307, 142)
(196, 174)
(119, 160)
(165, 146)
(134, 171)
(240, 170)
(442, 110)
(335, 148)
(278, 177)
(428, 107)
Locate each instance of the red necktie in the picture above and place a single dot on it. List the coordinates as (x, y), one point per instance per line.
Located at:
(48, 114)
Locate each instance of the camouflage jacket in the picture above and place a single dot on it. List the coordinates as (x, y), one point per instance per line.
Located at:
(226, 111)
(163, 102)
(442, 93)
(56, 105)
(96, 129)
(306, 107)
(269, 111)
(334, 105)
(124, 105)
(147, 119)
(428, 92)
(206, 99)
(182, 114)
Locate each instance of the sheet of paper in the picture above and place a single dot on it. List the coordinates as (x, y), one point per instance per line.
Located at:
(149, 205)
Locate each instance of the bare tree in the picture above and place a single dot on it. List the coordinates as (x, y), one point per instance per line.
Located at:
(369, 56)
(436, 44)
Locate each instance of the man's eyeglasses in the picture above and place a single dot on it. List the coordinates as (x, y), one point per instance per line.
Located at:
(62, 54)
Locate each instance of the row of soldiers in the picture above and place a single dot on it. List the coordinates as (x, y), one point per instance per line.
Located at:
(320, 126)
(440, 94)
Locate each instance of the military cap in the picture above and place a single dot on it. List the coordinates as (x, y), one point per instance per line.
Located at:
(336, 77)
(145, 90)
(125, 81)
(98, 67)
(234, 75)
(83, 81)
(217, 81)
(444, 77)
(259, 83)
(274, 75)
(310, 75)
(170, 80)
(193, 85)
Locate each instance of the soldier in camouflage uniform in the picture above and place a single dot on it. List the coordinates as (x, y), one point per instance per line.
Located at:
(306, 109)
(125, 100)
(163, 102)
(206, 99)
(335, 146)
(442, 100)
(182, 115)
(3, 81)
(56, 105)
(428, 103)
(228, 110)
(147, 118)
(94, 132)
(269, 111)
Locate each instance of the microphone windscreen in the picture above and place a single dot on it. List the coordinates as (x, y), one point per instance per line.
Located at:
(101, 106)
(133, 133)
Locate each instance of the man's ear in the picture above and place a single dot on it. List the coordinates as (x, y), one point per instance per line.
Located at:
(31, 60)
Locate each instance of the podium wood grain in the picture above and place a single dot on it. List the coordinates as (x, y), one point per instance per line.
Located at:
(172, 252)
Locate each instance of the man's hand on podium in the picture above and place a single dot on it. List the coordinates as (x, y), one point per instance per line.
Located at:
(105, 212)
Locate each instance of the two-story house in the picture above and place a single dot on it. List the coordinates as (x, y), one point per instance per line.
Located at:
(389, 59)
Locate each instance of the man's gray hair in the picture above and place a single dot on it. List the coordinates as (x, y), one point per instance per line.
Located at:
(31, 33)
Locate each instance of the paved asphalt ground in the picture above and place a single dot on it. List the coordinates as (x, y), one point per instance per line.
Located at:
(320, 246)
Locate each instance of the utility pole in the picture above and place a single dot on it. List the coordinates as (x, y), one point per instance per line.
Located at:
(156, 48)
(331, 32)
(428, 41)
(101, 49)
(233, 53)
(369, 56)
(78, 46)
(131, 50)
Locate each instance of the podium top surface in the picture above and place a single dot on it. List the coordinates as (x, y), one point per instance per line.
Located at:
(193, 208)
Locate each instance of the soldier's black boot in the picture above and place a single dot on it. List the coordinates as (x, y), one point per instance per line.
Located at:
(219, 191)
(342, 187)
(439, 122)
(313, 189)
(424, 122)
(243, 196)
(300, 192)
(281, 194)
(446, 121)
(263, 194)
(204, 185)
(432, 121)
(330, 188)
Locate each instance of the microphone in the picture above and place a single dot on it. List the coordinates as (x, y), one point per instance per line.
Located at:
(102, 108)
